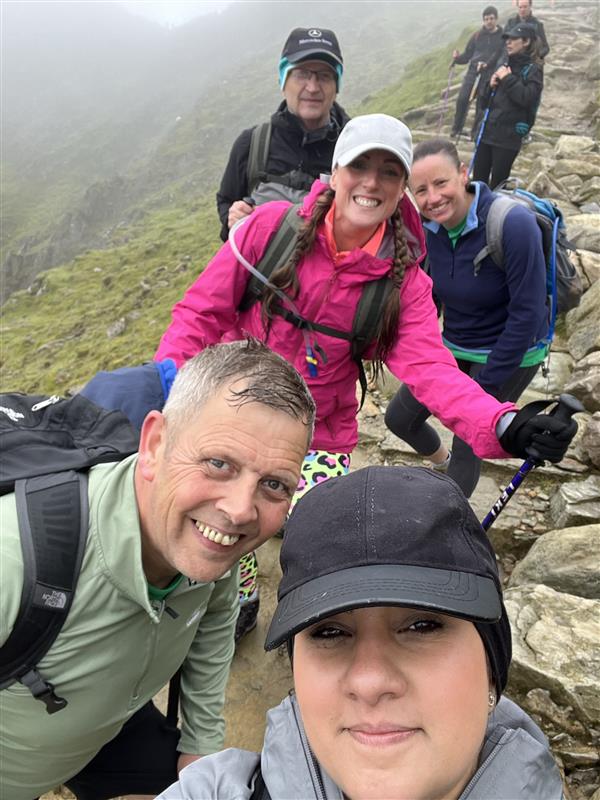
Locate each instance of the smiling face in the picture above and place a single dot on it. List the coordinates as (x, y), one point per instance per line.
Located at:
(394, 701)
(215, 489)
(439, 189)
(367, 192)
(311, 99)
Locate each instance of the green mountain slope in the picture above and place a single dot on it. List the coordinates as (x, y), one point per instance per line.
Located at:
(108, 307)
(128, 117)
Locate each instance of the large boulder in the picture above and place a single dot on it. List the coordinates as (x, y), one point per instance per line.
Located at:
(584, 231)
(587, 192)
(567, 560)
(589, 264)
(574, 146)
(576, 503)
(590, 441)
(583, 324)
(584, 382)
(556, 647)
(585, 167)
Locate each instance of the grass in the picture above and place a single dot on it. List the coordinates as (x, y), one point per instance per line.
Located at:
(54, 338)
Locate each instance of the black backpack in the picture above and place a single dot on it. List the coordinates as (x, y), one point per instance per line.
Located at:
(47, 445)
(367, 317)
(258, 156)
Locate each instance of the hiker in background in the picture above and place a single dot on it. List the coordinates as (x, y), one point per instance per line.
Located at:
(391, 609)
(482, 52)
(525, 15)
(512, 97)
(157, 590)
(495, 320)
(281, 159)
(359, 230)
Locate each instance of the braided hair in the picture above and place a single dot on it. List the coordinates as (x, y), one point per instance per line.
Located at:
(286, 277)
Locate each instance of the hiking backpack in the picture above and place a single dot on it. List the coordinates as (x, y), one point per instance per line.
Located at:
(563, 285)
(368, 312)
(297, 181)
(48, 444)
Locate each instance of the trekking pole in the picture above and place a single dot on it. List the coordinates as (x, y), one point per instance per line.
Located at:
(566, 406)
(481, 130)
(445, 96)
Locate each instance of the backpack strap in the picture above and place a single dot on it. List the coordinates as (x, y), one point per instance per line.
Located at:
(259, 791)
(494, 227)
(278, 251)
(258, 154)
(52, 511)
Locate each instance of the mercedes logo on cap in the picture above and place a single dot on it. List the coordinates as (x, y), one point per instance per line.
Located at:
(314, 32)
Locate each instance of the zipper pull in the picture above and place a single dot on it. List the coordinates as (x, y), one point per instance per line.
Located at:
(44, 403)
(311, 361)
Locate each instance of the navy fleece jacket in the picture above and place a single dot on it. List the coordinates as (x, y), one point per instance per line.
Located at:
(502, 311)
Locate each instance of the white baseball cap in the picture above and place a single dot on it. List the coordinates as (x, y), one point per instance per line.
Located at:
(373, 132)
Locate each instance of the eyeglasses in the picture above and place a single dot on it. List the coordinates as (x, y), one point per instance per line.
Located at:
(324, 76)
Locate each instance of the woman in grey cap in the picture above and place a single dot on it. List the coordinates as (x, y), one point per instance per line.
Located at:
(391, 609)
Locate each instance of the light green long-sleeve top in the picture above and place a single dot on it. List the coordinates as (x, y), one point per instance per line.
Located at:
(115, 650)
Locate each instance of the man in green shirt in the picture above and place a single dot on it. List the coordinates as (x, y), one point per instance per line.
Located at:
(212, 480)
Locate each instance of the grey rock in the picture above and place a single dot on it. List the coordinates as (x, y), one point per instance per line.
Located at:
(583, 324)
(567, 560)
(560, 367)
(590, 441)
(584, 231)
(585, 381)
(588, 193)
(576, 503)
(586, 167)
(117, 328)
(590, 264)
(556, 647)
(574, 146)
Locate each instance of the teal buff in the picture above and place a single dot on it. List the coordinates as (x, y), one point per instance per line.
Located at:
(285, 66)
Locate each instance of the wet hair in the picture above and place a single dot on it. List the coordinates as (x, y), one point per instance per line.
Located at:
(268, 379)
(489, 10)
(286, 277)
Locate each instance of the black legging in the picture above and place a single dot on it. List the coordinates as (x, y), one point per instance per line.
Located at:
(494, 159)
(406, 417)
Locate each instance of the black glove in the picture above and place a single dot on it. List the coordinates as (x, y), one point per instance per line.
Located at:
(542, 437)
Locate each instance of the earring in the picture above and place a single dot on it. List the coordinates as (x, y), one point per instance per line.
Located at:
(491, 699)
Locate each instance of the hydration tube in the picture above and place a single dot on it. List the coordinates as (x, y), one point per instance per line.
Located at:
(309, 348)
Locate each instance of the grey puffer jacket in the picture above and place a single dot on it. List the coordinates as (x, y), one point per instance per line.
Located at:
(515, 764)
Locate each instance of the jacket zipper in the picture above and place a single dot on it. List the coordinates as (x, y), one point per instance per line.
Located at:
(313, 764)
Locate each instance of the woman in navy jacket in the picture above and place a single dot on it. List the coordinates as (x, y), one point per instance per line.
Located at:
(495, 320)
(514, 96)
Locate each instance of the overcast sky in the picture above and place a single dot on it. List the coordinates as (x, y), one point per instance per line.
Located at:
(173, 12)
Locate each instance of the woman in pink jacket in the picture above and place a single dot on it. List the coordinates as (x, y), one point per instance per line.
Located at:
(358, 228)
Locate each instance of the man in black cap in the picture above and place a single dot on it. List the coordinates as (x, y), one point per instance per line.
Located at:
(525, 15)
(280, 159)
(482, 52)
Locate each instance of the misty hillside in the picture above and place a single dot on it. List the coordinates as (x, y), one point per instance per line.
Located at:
(107, 116)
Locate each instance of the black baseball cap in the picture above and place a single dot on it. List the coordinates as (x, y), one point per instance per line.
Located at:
(395, 536)
(521, 31)
(316, 44)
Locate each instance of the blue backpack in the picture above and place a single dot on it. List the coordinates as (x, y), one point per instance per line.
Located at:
(563, 284)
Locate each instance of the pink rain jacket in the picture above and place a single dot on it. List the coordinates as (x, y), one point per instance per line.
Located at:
(329, 294)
